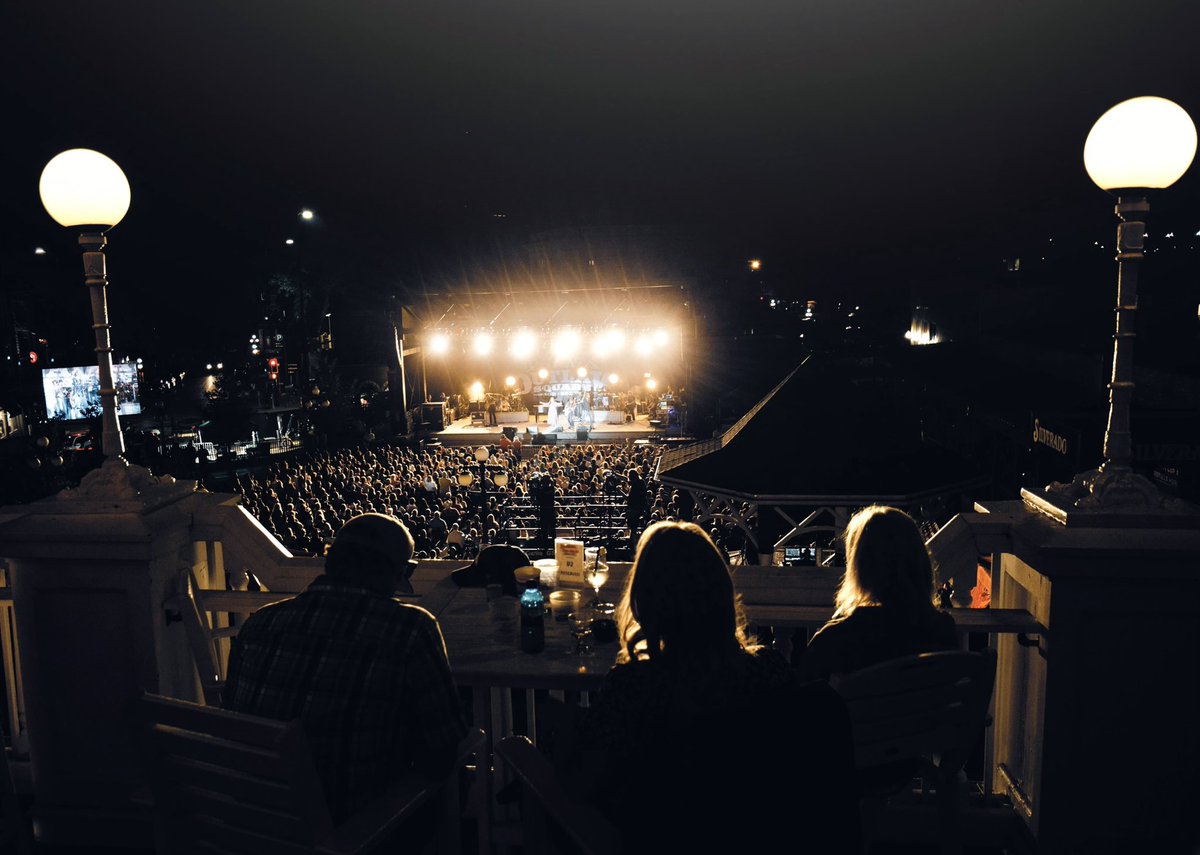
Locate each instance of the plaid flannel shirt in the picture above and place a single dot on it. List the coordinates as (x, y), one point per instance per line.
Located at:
(367, 675)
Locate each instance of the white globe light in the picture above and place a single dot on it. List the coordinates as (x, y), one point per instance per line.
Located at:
(81, 187)
(1145, 142)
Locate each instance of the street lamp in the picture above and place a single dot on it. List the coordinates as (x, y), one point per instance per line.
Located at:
(466, 478)
(1139, 145)
(84, 189)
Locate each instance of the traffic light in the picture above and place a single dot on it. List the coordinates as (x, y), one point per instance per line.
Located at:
(272, 369)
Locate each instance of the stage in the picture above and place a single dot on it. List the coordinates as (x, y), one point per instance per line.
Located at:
(463, 432)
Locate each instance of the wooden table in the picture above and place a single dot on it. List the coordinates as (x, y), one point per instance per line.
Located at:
(478, 660)
(492, 671)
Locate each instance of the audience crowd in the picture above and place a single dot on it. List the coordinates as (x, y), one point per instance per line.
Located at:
(303, 501)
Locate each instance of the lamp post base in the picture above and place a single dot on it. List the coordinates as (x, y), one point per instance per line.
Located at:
(1111, 496)
(120, 484)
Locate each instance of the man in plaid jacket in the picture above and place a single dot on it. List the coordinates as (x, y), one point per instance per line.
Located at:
(368, 675)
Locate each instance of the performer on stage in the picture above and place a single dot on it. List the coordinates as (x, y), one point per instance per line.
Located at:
(552, 414)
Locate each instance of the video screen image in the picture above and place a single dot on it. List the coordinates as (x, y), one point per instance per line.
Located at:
(74, 393)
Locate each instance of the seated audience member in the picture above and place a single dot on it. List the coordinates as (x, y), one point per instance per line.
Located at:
(368, 675)
(700, 740)
(885, 602)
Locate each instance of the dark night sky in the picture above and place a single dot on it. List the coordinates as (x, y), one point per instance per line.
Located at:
(828, 137)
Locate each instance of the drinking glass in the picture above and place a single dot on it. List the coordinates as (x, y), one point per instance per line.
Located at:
(597, 575)
(581, 629)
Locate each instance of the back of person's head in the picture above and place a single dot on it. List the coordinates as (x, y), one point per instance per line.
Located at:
(372, 548)
(679, 598)
(887, 564)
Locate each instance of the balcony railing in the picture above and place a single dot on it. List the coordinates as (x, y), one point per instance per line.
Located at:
(232, 555)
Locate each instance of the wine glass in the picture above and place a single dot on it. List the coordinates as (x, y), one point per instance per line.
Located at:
(597, 575)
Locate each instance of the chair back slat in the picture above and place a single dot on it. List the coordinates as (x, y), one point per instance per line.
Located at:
(218, 779)
(875, 748)
(910, 674)
(258, 762)
(900, 704)
(235, 727)
(202, 835)
(283, 825)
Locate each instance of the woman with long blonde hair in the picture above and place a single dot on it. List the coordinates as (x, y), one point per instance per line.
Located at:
(884, 605)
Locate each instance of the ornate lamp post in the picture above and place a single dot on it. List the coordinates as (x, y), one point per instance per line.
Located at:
(499, 477)
(86, 190)
(1139, 145)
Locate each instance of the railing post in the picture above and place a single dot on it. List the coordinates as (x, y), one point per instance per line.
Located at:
(90, 570)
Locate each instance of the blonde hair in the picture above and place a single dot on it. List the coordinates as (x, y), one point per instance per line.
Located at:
(679, 600)
(887, 565)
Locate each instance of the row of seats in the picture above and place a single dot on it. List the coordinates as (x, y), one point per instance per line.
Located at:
(224, 781)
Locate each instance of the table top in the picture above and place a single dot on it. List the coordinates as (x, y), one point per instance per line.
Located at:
(477, 659)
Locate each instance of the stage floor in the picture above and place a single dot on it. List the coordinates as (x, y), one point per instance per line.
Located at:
(462, 432)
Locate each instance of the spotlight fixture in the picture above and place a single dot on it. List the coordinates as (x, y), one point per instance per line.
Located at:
(439, 343)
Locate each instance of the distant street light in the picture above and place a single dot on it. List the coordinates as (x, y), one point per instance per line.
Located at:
(755, 264)
(1139, 145)
(306, 214)
(84, 189)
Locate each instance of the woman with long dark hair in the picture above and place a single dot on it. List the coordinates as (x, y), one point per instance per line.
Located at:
(700, 738)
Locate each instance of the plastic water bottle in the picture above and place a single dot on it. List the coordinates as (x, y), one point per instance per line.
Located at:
(533, 619)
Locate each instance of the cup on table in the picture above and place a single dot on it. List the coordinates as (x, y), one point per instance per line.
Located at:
(604, 622)
(562, 603)
(504, 615)
(581, 630)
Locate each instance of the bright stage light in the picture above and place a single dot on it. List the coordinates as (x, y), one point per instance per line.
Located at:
(581, 372)
(510, 381)
(523, 345)
(439, 343)
(643, 346)
(660, 338)
(566, 344)
(543, 373)
(477, 391)
(613, 379)
(483, 344)
(651, 384)
(608, 342)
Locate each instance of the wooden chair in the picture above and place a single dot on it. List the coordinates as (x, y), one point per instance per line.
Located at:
(546, 803)
(224, 782)
(919, 713)
(756, 769)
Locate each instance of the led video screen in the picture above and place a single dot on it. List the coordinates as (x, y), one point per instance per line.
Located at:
(74, 393)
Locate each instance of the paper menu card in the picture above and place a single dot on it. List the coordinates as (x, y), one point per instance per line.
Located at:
(570, 557)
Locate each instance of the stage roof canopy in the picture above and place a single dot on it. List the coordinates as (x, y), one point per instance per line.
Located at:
(844, 432)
